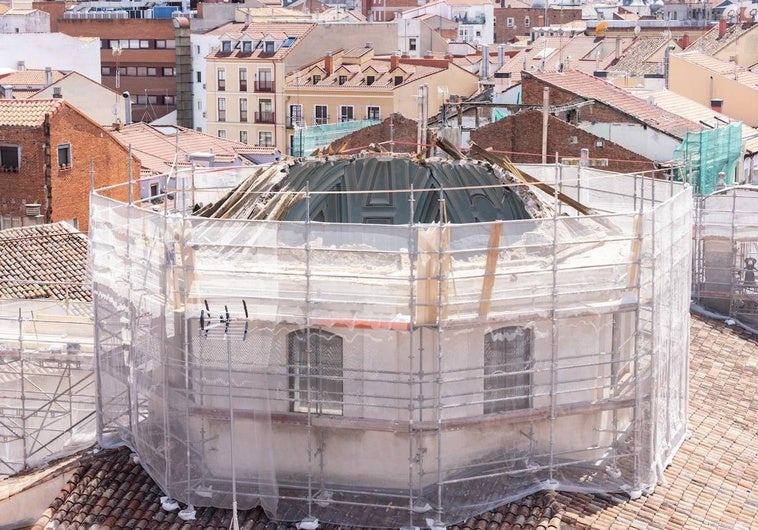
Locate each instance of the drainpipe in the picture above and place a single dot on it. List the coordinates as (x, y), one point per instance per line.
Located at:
(545, 113)
(47, 170)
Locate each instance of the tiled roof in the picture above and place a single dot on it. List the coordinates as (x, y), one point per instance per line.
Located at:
(710, 43)
(590, 87)
(586, 54)
(710, 483)
(257, 31)
(29, 78)
(637, 59)
(356, 76)
(44, 261)
(27, 112)
(691, 110)
(725, 68)
(157, 146)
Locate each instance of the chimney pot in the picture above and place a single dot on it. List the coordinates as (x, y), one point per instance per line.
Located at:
(394, 62)
(722, 27)
(329, 63)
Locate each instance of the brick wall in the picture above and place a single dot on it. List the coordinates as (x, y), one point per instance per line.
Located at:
(70, 186)
(520, 137)
(531, 94)
(503, 33)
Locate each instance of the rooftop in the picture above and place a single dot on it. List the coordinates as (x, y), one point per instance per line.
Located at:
(710, 483)
(28, 79)
(725, 68)
(157, 146)
(711, 43)
(285, 36)
(27, 112)
(590, 87)
(44, 261)
(643, 56)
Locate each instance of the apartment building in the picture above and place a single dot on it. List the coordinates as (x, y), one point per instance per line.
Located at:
(350, 85)
(245, 81)
(136, 54)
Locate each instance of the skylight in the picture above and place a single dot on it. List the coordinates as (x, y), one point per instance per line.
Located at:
(289, 41)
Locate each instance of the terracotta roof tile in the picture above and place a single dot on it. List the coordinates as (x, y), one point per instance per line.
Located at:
(29, 78)
(44, 261)
(710, 43)
(710, 483)
(637, 59)
(590, 87)
(27, 112)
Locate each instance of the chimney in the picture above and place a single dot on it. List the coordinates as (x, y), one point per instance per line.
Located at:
(8, 92)
(500, 56)
(57, 92)
(717, 105)
(48, 76)
(369, 45)
(743, 17)
(484, 66)
(329, 63)
(684, 42)
(127, 107)
(666, 60)
(21, 66)
(618, 47)
(722, 26)
(394, 62)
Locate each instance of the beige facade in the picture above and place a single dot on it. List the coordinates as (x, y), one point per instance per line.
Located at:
(705, 79)
(353, 85)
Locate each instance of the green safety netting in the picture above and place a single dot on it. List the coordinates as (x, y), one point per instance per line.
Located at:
(307, 139)
(703, 155)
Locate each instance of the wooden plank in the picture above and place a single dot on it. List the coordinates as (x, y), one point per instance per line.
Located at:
(490, 266)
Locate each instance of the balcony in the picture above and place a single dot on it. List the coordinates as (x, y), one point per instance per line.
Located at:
(265, 116)
(264, 86)
(475, 20)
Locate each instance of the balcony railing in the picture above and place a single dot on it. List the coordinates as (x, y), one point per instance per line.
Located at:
(264, 86)
(265, 116)
(295, 121)
(321, 121)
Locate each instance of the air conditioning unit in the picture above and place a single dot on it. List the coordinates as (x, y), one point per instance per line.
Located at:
(203, 86)
(573, 140)
(203, 114)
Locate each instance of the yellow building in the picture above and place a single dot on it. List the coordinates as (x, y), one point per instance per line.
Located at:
(246, 80)
(352, 85)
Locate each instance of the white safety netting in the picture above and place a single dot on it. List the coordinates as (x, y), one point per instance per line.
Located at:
(390, 376)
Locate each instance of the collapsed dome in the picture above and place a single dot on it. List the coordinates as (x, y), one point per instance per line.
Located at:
(302, 342)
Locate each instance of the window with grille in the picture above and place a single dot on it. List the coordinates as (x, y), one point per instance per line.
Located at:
(315, 371)
(321, 115)
(9, 157)
(507, 369)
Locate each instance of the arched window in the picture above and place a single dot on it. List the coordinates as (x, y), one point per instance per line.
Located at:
(507, 369)
(315, 369)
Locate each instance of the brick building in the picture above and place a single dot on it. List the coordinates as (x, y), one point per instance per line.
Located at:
(516, 18)
(137, 55)
(47, 152)
(520, 137)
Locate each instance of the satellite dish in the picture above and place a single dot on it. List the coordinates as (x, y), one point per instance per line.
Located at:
(637, 30)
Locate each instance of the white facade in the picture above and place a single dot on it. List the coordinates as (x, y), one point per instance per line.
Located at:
(476, 21)
(99, 103)
(54, 50)
(25, 21)
(642, 140)
(202, 45)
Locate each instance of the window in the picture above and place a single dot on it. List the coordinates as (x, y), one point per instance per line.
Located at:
(105, 70)
(167, 44)
(346, 113)
(269, 46)
(320, 114)
(243, 137)
(370, 79)
(9, 157)
(510, 22)
(289, 41)
(398, 80)
(265, 81)
(266, 139)
(243, 79)
(64, 156)
(372, 113)
(142, 71)
(169, 71)
(315, 371)
(152, 71)
(221, 109)
(221, 133)
(507, 364)
(412, 45)
(247, 46)
(342, 79)
(226, 46)
(527, 22)
(199, 76)
(144, 44)
(316, 79)
(296, 115)
(243, 110)
(131, 71)
(221, 79)
(169, 100)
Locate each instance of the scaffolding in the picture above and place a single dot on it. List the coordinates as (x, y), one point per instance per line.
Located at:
(397, 375)
(726, 252)
(47, 382)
